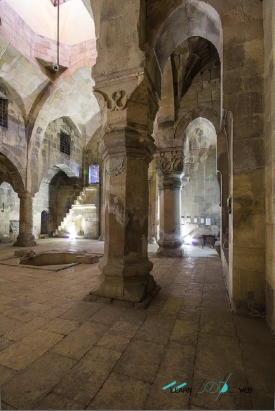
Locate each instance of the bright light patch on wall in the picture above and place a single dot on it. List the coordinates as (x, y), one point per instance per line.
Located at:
(188, 240)
(93, 173)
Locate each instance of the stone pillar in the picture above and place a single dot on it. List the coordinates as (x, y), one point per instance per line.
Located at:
(152, 217)
(170, 171)
(223, 180)
(25, 237)
(128, 108)
(103, 190)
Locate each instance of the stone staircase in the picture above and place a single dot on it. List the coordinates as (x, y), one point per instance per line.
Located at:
(82, 207)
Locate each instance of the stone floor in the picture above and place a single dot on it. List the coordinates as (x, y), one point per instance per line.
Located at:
(59, 352)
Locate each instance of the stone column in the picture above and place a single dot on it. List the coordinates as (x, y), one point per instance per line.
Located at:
(103, 189)
(170, 171)
(152, 225)
(25, 237)
(128, 109)
(223, 180)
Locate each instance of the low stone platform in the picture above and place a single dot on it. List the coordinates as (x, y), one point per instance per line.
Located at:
(54, 258)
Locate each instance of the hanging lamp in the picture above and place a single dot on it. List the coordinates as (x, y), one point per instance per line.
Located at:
(56, 65)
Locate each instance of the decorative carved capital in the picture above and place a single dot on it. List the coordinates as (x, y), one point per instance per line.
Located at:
(127, 101)
(170, 168)
(112, 100)
(169, 161)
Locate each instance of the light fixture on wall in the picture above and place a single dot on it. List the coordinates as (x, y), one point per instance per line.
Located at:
(3, 208)
(56, 66)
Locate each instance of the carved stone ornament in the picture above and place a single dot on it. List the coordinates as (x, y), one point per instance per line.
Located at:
(170, 161)
(118, 101)
(115, 166)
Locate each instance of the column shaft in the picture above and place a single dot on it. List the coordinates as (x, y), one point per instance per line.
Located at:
(25, 237)
(170, 170)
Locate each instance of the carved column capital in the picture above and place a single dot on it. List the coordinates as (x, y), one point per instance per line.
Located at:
(127, 100)
(170, 167)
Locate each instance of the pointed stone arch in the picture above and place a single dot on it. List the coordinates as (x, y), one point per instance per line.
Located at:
(9, 172)
(193, 18)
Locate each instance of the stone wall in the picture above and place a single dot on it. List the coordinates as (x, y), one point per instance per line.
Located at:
(269, 21)
(51, 154)
(243, 95)
(13, 142)
(205, 91)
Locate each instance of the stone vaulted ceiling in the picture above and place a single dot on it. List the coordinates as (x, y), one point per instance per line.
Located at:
(27, 58)
(187, 61)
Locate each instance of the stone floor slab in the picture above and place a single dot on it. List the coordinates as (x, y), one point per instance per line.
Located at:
(78, 342)
(156, 328)
(22, 353)
(26, 329)
(85, 380)
(26, 388)
(119, 391)
(81, 311)
(55, 402)
(140, 360)
(104, 355)
(61, 326)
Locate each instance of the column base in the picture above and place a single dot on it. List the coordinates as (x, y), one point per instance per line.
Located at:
(136, 291)
(130, 283)
(25, 240)
(170, 252)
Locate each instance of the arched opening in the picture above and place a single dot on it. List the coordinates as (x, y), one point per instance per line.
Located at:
(44, 222)
(200, 197)
(79, 226)
(11, 183)
(191, 63)
(9, 213)
(58, 190)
